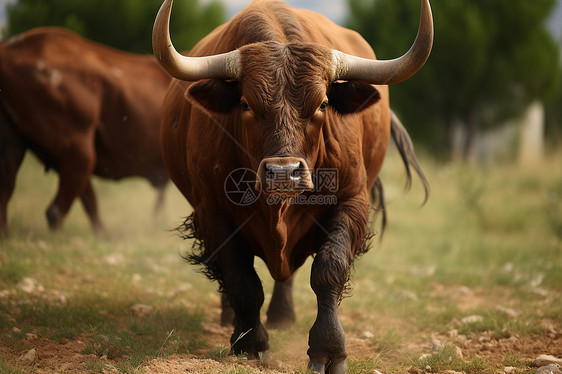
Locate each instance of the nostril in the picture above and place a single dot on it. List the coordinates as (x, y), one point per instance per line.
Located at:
(297, 172)
(284, 174)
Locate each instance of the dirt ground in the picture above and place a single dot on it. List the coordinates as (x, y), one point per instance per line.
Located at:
(65, 357)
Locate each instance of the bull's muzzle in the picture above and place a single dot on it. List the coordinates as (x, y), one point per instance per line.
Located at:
(286, 175)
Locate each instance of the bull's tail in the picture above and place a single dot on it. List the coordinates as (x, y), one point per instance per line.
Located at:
(406, 149)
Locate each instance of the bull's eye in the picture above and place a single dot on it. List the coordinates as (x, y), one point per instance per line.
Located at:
(244, 105)
(323, 106)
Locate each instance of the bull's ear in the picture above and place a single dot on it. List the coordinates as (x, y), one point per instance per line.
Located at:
(352, 97)
(215, 95)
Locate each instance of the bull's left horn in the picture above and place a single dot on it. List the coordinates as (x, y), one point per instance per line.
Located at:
(221, 66)
(348, 67)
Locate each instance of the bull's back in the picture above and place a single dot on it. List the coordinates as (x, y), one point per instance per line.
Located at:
(65, 91)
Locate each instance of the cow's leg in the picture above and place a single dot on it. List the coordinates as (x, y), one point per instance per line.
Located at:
(76, 167)
(12, 150)
(89, 202)
(344, 234)
(281, 312)
(160, 198)
(231, 262)
(244, 292)
(227, 313)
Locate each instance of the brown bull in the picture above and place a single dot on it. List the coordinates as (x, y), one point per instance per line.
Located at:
(83, 109)
(277, 146)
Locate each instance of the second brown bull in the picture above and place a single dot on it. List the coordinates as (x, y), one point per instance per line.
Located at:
(82, 108)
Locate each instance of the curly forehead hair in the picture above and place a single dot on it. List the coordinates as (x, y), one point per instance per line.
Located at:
(299, 71)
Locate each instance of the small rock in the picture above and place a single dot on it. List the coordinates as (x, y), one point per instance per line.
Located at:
(114, 259)
(16, 330)
(472, 319)
(508, 267)
(549, 369)
(537, 280)
(109, 369)
(458, 353)
(28, 357)
(30, 285)
(539, 291)
(141, 310)
(424, 356)
(509, 369)
(462, 290)
(484, 339)
(436, 345)
(29, 336)
(508, 311)
(544, 360)
(367, 334)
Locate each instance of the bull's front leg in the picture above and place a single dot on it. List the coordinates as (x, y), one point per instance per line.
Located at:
(344, 235)
(230, 261)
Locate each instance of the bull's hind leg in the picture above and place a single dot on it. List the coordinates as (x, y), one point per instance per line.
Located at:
(281, 311)
(229, 260)
(12, 150)
(75, 169)
(89, 202)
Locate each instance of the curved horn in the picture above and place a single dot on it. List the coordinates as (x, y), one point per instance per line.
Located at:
(348, 67)
(221, 66)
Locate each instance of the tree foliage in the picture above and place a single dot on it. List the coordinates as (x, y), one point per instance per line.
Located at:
(123, 24)
(489, 61)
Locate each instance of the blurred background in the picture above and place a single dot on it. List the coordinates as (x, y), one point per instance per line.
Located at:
(489, 93)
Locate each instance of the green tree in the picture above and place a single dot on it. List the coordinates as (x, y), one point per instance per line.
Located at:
(123, 24)
(490, 60)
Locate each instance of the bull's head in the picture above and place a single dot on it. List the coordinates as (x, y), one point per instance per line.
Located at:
(281, 92)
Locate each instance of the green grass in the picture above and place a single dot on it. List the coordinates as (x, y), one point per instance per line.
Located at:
(487, 239)
(446, 359)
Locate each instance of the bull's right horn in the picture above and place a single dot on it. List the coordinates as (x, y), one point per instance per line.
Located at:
(348, 67)
(221, 66)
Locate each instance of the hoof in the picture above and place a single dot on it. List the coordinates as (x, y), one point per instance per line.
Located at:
(264, 356)
(332, 368)
(260, 356)
(317, 366)
(54, 218)
(337, 368)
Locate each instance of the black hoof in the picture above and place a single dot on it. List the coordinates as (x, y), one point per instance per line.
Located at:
(332, 368)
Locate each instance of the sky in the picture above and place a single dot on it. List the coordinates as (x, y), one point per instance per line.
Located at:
(336, 10)
(3, 10)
